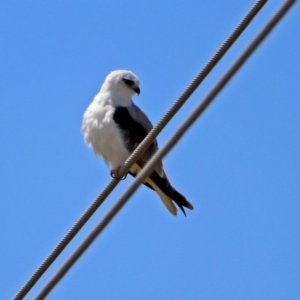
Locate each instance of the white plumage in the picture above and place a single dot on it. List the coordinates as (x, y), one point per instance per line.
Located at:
(99, 129)
(113, 126)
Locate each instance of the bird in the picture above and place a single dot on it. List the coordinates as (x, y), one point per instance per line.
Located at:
(113, 126)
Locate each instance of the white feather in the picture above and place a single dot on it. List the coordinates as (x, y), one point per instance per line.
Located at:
(100, 131)
(103, 135)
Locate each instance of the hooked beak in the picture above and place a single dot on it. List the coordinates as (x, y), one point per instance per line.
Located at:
(137, 90)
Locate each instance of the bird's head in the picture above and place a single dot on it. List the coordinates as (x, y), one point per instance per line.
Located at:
(122, 82)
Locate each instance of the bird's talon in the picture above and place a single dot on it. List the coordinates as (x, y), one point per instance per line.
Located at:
(114, 174)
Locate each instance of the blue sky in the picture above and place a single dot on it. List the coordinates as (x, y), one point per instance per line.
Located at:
(239, 164)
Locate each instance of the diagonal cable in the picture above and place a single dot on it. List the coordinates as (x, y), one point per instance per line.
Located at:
(163, 151)
(141, 149)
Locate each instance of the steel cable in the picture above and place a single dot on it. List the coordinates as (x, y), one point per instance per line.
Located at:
(163, 151)
(141, 149)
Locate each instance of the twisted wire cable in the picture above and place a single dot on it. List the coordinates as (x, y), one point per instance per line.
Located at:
(163, 151)
(140, 149)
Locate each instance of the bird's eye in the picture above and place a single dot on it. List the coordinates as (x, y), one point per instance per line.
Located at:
(128, 81)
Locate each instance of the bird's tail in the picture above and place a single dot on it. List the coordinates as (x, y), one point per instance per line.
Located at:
(169, 191)
(167, 201)
(164, 189)
(136, 168)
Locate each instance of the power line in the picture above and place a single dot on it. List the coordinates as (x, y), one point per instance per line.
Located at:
(163, 151)
(141, 149)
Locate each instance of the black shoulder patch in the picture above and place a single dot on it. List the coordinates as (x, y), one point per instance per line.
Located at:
(132, 131)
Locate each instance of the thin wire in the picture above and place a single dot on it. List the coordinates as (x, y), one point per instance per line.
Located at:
(141, 149)
(192, 87)
(163, 151)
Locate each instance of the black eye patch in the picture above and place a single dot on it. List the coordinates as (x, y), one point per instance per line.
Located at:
(128, 81)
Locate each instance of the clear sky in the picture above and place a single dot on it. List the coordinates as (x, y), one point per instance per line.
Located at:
(239, 164)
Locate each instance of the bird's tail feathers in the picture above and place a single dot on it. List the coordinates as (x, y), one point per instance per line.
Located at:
(164, 198)
(165, 186)
(164, 189)
(181, 200)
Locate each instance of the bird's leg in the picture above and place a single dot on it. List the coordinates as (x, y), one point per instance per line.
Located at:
(114, 173)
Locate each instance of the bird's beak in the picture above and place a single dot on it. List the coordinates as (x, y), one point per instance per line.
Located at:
(137, 90)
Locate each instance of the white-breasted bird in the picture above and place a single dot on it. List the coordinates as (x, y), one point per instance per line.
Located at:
(113, 126)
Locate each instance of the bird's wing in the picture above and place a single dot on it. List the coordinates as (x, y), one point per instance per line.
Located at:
(135, 126)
